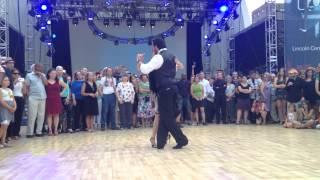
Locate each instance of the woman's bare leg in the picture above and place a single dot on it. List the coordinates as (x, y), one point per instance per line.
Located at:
(49, 122)
(56, 123)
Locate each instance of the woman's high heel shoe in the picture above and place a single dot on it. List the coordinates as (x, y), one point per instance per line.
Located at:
(153, 143)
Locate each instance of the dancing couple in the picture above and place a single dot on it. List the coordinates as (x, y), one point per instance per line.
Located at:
(162, 71)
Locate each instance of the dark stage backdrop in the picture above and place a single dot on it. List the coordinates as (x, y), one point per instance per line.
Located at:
(250, 49)
(302, 33)
(61, 44)
(16, 48)
(194, 47)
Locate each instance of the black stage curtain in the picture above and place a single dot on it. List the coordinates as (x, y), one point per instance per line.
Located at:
(16, 48)
(61, 44)
(250, 50)
(194, 47)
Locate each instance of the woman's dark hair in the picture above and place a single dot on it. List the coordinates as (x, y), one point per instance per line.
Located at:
(306, 73)
(50, 70)
(284, 73)
(159, 43)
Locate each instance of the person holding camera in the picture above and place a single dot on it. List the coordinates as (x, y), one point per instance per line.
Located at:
(145, 110)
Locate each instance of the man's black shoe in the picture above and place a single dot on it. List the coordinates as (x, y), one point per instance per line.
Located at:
(116, 128)
(30, 136)
(39, 135)
(180, 146)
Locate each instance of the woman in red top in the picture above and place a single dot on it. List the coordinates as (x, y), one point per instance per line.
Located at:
(53, 103)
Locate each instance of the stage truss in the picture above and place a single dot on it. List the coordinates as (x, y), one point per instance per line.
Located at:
(271, 37)
(4, 29)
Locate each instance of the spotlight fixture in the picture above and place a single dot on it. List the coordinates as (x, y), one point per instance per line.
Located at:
(235, 15)
(218, 29)
(205, 37)
(90, 16)
(75, 21)
(143, 23)
(106, 22)
(189, 15)
(207, 53)
(236, 1)
(226, 27)
(215, 22)
(54, 36)
(224, 8)
(152, 23)
(116, 22)
(129, 23)
(179, 21)
(71, 12)
(32, 13)
(218, 39)
(44, 7)
(45, 37)
(49, 22)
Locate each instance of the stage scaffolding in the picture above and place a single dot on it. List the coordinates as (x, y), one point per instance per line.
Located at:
(271, 37)
(4, 29)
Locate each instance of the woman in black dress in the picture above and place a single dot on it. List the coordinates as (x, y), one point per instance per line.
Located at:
(243, 101)
(90, 93)
(309, 90)
(280, 93)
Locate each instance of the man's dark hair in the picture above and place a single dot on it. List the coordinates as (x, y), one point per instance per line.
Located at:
(159, 43)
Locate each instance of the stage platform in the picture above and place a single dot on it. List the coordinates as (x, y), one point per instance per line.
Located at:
(214, 152)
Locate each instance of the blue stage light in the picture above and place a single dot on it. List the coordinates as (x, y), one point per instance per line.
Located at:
(214, 22)
(224, 8)
(205, 36)
(54, 36)
(44, 7)
(49, 22)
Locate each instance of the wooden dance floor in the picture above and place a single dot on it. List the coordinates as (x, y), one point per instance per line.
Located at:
(214, 152)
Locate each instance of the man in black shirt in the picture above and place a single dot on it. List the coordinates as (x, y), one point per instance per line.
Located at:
(219, 86)
(184, 91)
(294, 88)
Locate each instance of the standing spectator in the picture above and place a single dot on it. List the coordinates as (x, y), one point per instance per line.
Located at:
(197, 93)
(35, 88)
(145, 110)
(8, 68)
(65, 116)
(243, 100)
(255, 84)
(230, 101)
(309, 90)
(281, 93)
(53, 103)
(77, 100)
(135, 82)
(219, 87)
(294, 87)
(89, 91)
(210, 114)
(18, 93)
(84, 72)
(125, 94)
(98, 117)
(207, 90)
(184, 91)
(7, 109)
(107, 88)
(235, 78)
(266, 90)
(273, 111)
